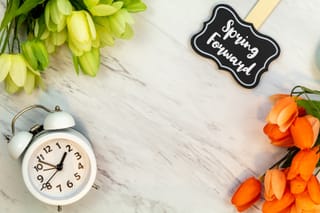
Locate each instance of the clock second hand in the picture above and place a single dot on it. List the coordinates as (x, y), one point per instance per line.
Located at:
(45, 184)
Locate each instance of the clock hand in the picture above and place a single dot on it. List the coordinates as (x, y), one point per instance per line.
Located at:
(45, 185)
(49, 164)
(52, 176)
(49, 169)
(60, 165)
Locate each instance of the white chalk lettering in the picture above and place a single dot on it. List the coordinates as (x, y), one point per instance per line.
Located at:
(232, 33)
(224, 52)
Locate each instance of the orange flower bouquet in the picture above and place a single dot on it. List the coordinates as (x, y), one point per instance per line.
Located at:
(291, 184)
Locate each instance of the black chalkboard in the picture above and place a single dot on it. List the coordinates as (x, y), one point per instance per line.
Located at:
(236, 46)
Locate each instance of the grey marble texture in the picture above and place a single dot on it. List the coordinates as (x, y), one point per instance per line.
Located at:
(171, 132)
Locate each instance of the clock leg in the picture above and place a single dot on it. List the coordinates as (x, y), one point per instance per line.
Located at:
(95, 186)
(59, 208)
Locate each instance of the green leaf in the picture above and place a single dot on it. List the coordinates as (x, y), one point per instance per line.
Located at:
(27, 6)
(10, 13)
(312, 107)
(39, 27)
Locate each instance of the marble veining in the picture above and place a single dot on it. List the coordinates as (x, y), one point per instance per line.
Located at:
(171, 132)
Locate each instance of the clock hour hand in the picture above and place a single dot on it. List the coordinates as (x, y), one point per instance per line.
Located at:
(60, 165)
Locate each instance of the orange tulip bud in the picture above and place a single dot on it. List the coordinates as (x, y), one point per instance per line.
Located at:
(283, 113)
(297, 185)
(246, 194)
(274, 184)
(278, 138)
(304, 163)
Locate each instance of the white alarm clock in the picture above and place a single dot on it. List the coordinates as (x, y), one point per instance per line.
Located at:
(58, 163)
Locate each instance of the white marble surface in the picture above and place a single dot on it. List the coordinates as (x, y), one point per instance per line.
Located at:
(172, 133)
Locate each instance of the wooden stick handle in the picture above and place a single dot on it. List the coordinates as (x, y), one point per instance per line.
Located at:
(261, 11)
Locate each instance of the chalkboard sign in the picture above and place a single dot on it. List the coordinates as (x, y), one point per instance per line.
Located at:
(235, 46)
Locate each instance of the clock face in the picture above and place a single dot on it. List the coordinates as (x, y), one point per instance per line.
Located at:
(58, 171)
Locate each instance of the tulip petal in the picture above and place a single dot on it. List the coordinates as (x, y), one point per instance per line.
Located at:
(283, 113)
(309, 163)
(304, 202)
(278, 138)
(304, 163)
(297, 185)
(10, 86)
(278, 205)
(91, 26)
(64, 7)
(5, 64)
(314, 189)
(102, 10)
(58, 38)
(30, 83)
(91, 3)
(278, 180)
(302, 133)
(18, 70)
(315, 123)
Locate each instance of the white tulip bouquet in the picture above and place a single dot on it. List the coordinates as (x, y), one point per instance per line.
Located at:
(32, 29)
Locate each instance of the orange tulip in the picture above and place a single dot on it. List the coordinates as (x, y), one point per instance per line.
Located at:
(314, 189)
(297, 185)
(276, 206)
(274, 184)
(283, 113)
(278, 138)
(304, 163)
(276, 97)
(246, 194)
(304, 131)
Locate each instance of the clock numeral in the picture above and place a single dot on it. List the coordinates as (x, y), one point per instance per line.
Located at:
(77, 176)
(69, 184)
(58, 145)
(40, 178)
(38, 167)
(46, 186)
(80, 166)
(78, 156)
(69, 148)
(59, 187)
(47, 149)
(40, 157)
